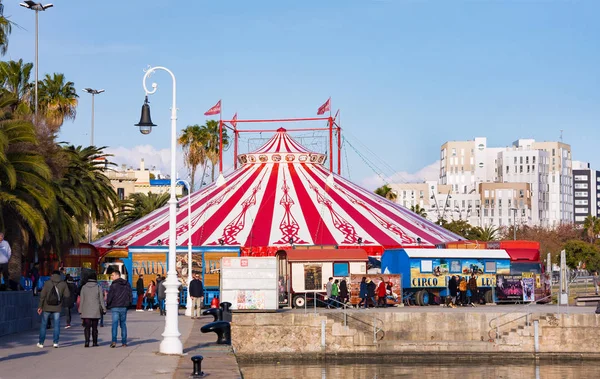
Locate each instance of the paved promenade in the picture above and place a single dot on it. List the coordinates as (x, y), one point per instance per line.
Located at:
(21, 358)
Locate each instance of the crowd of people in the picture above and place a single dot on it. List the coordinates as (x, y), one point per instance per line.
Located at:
(371, 294)
(462, 292)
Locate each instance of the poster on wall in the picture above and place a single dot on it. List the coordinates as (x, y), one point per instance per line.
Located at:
(509, 288)
(528, 289)
(425, 273)
(249, 283)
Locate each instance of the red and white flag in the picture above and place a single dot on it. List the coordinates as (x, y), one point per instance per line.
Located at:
(325, 107)
(214, 110)
(234, 120)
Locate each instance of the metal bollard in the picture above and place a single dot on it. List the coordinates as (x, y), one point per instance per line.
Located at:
(197, 359)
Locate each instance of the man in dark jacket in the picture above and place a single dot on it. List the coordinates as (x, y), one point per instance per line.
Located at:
(47, 309)
(139, 289)
(453, 289)
(69, 301)
(472, 285)
(371, 291)
(197, 295)
(118, 299)
(162, 296)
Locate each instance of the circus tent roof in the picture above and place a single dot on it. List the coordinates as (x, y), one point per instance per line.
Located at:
(282, 195)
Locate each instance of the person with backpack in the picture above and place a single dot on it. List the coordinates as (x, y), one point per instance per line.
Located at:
(91, 308)
(161, 296)
(50, 305)
(69, 301)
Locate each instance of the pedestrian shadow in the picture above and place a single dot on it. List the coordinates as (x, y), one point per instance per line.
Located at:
(141, 342)
(22, 355)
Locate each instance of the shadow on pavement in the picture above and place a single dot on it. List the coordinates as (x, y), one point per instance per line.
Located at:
(22, 355)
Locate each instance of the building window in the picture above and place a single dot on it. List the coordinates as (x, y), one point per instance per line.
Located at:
(581, 202)
(581, 177)
(521, 160)
(521, 193)
(521, 169)
(312, 277)
(580, 185)
(453, 152)
(121, 193)
(526, 160)
(507, 169)
(582, 210)
(533, 159)
(341, 269)
(581, 194)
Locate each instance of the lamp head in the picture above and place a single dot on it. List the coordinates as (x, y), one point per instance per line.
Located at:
(145, 123)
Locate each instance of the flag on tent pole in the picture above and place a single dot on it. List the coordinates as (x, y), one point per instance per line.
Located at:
(214, 110)
(234, 120)
(325, 107)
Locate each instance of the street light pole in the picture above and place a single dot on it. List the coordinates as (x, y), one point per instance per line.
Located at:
(93, 92)
(189, 306)
(514, 223)
(171, 344)
(37, 7)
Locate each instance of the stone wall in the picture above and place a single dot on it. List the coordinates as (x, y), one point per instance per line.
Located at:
(18, 312)
(455, 333)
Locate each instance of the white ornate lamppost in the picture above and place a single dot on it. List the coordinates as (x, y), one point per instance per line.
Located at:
(171, 344)
(189, 305)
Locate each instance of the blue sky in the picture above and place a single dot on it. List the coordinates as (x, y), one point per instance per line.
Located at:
(407, 75)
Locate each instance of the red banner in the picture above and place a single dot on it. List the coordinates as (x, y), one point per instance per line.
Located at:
(325, 107)
(234, 120)
(214, 110)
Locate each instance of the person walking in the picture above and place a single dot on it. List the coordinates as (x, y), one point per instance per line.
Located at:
(335, 294)
(161, 295)
(474, 290)
(139, 289)
(328, 287)
(462, 287)
(596, 280)
(371, 287)
(118, 300)
(5, 254)
(363, 292)
(150, 293)
(453, 289)
(344, 292)
(91, 307)
(34, 274)
(50, 305)
(381, 294)
(197, 295)
(70, 300)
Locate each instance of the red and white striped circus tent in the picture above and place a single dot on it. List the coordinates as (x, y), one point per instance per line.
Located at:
(283, 195)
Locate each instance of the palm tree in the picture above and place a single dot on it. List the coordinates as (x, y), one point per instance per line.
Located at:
(212, 144)
(193, 140)
(387, 192)
(26, 192)
(592, 227)
(58, 100)
(5, 29)
(419, 210)
(14, 78)
(489, 233)
(138, 205)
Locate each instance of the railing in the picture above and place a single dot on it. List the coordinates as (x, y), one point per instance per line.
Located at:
(496, 328)
(341, 309)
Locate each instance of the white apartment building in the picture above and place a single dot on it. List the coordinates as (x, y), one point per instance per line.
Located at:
(545, 167)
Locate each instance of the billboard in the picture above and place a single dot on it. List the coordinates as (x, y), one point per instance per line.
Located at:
(249, 283)
(437, 272)
(509, 288)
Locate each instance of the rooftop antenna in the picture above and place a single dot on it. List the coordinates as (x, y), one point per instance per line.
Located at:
(561, 135)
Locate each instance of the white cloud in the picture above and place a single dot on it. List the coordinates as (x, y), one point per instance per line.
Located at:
(429, 172)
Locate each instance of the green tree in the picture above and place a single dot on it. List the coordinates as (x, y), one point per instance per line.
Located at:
(5, 30)
(419, 210)
(212, 146)
(57, 100)
(580, 253)
(14, 78)
(489, 233)
(460, 227)
(26, 192)
(387, 192)
(194, 141)
(137, 205)
(592, 227)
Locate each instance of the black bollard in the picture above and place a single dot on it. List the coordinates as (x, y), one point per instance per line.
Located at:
(222, 329)
(227, 315)
(217, 313)
(197, 359)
